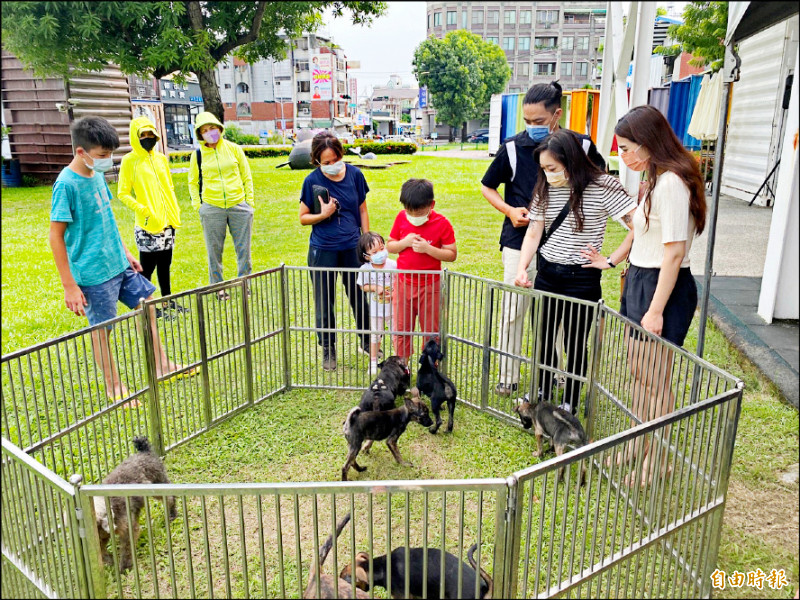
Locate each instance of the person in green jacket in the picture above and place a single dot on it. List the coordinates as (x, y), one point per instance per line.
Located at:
(222, 190)
(145, 186)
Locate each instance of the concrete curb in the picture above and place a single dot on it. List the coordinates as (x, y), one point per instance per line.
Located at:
(769, 362)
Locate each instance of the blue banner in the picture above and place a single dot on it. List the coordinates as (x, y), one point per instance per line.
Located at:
(423, 97)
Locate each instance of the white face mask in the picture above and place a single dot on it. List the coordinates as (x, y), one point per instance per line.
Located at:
(99, 165)
(556, 179)
(333, 169)
(417, 221)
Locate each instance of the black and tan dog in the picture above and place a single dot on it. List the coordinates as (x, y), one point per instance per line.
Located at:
(386, 425)
(416, 582)
(326, 582)
(392, 382)
(436, 386)
(561, 426)
(142, 467)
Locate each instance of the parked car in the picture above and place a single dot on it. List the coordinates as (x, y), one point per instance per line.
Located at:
(399, 138)
(479, 135)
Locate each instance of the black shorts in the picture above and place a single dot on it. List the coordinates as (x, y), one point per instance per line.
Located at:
(640, 287)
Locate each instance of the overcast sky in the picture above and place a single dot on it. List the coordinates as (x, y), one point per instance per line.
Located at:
(384, 48)
(387, 46)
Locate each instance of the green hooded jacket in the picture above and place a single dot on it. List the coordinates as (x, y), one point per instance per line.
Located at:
(145, 183)
(227, 180)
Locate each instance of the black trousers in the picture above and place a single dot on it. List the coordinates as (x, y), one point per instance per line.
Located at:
(160, 261)
(325, 293)
(575, 282)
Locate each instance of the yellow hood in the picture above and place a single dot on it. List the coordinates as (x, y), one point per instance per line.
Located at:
(206, 118)
(138, 125)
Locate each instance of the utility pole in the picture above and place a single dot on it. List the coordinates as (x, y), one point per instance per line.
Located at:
(294, 89)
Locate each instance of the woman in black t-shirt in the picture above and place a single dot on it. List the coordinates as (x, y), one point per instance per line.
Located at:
(334, 238)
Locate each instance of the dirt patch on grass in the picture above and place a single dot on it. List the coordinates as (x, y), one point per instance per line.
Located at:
(767, 514)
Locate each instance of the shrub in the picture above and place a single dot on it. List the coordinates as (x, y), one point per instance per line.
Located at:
(270, 151)
(234, 134)
(383, 147)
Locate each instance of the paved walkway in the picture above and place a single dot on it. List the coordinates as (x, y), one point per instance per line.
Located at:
(739, 254)
(471, 154)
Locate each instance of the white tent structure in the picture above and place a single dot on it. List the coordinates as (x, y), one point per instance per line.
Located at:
(779, 287)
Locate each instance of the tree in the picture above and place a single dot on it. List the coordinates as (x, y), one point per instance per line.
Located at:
(67, 38)
(702, 34)
(461, 72)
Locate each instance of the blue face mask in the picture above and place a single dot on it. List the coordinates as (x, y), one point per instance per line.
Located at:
(537, 132)
(379, 257)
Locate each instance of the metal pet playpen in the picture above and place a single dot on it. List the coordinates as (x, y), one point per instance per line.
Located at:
(537, 535)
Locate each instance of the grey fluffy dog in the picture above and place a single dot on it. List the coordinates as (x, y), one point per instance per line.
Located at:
(142, 467)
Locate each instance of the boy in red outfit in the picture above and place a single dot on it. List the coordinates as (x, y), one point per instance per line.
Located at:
(422, 238)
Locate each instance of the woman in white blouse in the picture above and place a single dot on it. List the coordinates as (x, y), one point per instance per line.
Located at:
(660, 293)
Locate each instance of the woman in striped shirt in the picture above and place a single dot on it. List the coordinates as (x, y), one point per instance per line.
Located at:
(568, 178)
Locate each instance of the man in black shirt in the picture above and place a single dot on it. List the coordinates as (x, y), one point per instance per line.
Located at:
(514, 167)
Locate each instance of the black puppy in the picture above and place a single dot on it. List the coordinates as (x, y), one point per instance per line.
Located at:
(435, 385)
(561, 426)
(416, 559)
(386, 425)
(392, 382)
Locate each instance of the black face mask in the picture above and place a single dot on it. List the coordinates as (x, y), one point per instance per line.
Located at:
(148, 143)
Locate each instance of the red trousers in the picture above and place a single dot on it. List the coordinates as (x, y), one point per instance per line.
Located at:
(415, 297)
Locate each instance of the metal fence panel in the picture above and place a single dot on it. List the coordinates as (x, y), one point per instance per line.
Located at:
(41, 550)
(603, 539)
(412, 315)
(499, 334)
(57, 408)
(261, 540)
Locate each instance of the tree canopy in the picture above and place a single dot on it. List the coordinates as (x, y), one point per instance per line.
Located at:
(461, 72)
(158, 38)
(702, 34)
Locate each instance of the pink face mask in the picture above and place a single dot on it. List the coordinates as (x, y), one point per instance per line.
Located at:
(211, 136)
(633, 161)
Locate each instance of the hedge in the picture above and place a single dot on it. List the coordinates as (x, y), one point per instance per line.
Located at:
(383, 147)
(269, 151)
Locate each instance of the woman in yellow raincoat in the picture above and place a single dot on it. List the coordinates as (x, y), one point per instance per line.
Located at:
(145, 186)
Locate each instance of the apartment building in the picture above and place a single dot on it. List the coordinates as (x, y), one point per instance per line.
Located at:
(276, 95)
(543, 41)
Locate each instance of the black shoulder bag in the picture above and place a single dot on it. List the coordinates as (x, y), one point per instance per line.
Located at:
(200, 173)
(553, 226)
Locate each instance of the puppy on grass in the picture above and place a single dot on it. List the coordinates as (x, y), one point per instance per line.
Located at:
(143, 467)
(439, 388)
(418, 585)
(391, 383)
(326, 582)
(380, 425)
(561, 426)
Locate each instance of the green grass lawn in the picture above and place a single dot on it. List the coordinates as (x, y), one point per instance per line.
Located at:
(761, 518)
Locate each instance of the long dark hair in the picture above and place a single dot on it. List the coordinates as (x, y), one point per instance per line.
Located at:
(563, 144)
(646, 126)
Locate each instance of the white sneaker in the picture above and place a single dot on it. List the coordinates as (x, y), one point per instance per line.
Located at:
(373, 368)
